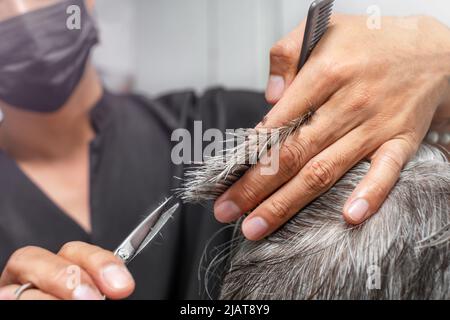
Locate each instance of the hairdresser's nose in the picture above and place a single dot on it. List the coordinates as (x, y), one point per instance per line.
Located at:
(284, 59)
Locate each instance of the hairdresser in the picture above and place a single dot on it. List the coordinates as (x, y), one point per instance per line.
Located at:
(79, 166)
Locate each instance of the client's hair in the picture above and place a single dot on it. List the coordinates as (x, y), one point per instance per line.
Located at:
(402, 252)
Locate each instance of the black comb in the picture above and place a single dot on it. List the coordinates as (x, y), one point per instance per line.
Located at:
(316, 25)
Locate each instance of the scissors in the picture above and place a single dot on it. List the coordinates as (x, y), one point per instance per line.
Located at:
(145, 232)
(141, 236)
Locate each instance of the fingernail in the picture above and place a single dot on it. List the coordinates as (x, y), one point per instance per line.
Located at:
(227, 211)
(275, 88)
(358, 209)
(85, 292)
(117, 277)
(255, 228)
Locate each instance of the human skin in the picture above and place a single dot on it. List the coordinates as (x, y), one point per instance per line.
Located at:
(60, 168)
(375, 92)
(66, 157)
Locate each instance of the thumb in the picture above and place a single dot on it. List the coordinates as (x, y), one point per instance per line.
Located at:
(284, 59)
(374, 188)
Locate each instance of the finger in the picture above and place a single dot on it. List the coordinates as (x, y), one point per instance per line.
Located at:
(109, 272)
(9, 293)
(284, 59)
(50, 274)
(314, 85)
(319, 174)
(329, 123)
(34, 294)
(369, 195)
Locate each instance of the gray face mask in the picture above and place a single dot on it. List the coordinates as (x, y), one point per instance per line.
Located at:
(41, 59)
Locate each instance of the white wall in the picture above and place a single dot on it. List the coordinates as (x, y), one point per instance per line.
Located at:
(162, 45)
(116, 54)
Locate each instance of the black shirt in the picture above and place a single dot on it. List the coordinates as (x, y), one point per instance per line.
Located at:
(130, 172)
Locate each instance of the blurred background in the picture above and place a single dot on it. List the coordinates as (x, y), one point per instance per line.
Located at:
(155, 46)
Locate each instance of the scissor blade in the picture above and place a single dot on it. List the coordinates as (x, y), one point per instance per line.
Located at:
(143, 230)
(139, 237)
(158, 226)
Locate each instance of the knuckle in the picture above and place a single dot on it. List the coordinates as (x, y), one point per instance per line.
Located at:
(19, 257)
(291, 158)
(392, 160)
(293, 154)
(285, 50)
(359, 101)
(376, 125)
(97, 258)
(411, 139)
(333, 71)
(377, 187)
(319, 176)
(279, 208)
(341, 160)
(250, 194)
(70, 248)
(22, 253)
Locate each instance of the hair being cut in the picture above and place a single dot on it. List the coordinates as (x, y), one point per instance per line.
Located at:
(402, 252)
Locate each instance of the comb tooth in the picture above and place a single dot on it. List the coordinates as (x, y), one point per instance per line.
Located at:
(323, 25)
(312, 46)
(325, 13)
(317, 39)
(327, 6)
(317, 35)
(315, 42)
(324, 16)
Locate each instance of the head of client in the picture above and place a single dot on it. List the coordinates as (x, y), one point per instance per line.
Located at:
(402, 252)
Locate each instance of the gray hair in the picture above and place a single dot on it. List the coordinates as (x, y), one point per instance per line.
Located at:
(242, 150)
(402, 252)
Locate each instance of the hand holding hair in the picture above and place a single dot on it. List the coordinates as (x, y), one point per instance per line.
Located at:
(375, 93)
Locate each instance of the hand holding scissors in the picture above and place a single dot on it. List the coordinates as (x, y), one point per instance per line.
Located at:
(80, 271)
